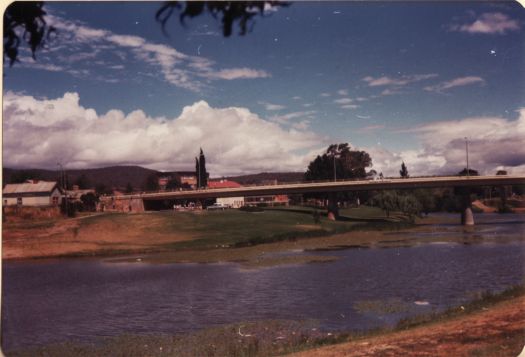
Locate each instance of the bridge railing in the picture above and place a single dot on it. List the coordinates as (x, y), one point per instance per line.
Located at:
(371, 179)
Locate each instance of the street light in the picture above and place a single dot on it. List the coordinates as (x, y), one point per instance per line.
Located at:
(64, 187)
(466, 149)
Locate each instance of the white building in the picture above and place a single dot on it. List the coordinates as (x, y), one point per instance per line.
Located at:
(32, 193)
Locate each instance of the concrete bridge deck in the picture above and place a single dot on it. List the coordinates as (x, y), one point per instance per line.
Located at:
(333, 186)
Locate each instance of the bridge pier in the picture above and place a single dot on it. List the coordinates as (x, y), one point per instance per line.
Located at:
(467, 218)
(333, 209)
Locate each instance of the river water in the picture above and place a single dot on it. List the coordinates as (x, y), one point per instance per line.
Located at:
(49, 301)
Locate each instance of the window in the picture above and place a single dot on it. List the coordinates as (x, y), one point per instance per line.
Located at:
(19, 201)
(55, 200)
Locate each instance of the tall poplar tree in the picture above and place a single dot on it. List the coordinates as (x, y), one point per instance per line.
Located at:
(200, 170)
(403, 172)
(203, 173)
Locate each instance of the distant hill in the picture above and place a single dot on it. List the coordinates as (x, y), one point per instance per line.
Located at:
(280, 177)
(119, 176)
(114, 176)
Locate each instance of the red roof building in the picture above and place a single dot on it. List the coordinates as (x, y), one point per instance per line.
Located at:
(223, 184)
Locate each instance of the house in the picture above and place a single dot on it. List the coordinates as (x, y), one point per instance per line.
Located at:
(233, 202)
(186, 177)
(32, 193)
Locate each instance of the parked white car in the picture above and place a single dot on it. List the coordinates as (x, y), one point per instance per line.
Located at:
(217, 206)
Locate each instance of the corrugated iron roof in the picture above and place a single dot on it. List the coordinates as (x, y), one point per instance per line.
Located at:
(29, 187)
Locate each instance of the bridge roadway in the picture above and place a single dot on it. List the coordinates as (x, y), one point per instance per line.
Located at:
(334, 186)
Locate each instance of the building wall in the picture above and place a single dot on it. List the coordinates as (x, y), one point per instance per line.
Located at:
(234, 202)
(34, 200)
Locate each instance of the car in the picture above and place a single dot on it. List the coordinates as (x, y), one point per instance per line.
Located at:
(217, 206)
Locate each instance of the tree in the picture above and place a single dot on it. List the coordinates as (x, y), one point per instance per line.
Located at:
(89, 201)
(25, 19)
(471, 172)
(172, 184)
(339, 162)
(28, 18)
(151, 183)
(403, 172)
(230, 12)
(391, 201)
(200, 170)
(129, 188)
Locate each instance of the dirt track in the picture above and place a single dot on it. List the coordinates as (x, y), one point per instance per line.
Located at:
(498, 330)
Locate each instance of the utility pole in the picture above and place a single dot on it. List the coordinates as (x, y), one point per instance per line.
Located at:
(466, 149)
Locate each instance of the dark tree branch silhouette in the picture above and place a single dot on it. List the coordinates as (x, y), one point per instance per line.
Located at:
(230, 12)
(24, 22)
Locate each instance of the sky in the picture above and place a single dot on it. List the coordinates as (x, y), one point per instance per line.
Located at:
(404, 81)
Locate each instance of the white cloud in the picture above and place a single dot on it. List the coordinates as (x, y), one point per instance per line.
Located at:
(400, 81)
(489, 23)
(43, 66)
(78, 41)
(40, 132)
(343, 101)
(493, 142)
(349, 106)
(270, 106)
(456, 82)
(285, 118)
(342, 92)
(324, 94)
(238, 73)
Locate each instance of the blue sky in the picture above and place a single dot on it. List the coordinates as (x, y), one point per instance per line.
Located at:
(403, 81)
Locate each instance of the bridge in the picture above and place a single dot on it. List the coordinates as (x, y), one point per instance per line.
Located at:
(136, 200)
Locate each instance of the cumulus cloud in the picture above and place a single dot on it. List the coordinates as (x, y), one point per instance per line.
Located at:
(493, 143)
(79, 41)
(456, 82)
(40, 132)
(488, 23)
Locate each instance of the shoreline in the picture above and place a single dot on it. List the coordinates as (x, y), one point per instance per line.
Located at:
(103, 236)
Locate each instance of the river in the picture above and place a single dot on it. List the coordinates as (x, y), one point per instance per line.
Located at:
(56, 300)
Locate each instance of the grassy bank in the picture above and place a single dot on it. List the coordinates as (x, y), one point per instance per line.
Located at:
(121, 233)
(277, 337)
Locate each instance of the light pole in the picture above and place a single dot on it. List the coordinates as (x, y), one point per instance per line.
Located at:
(64, 187)
(466, 149)
(335, 174)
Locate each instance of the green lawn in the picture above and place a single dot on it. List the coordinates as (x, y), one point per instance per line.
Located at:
(235, 228)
